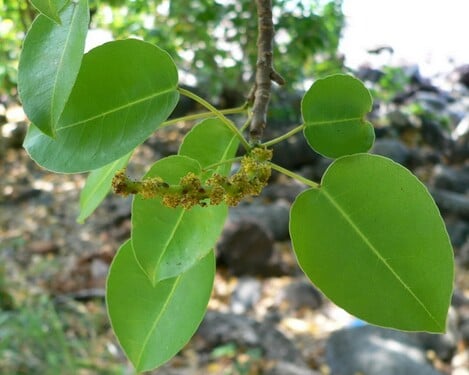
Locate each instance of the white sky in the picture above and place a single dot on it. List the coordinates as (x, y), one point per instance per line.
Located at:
(425, 32)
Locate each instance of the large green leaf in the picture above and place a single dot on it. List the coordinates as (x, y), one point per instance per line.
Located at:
(50, 62)
(97, 186)
(210, 142)
(372, 239)
(168, 241)
(152, 323)
(124, 91)
(334, 110)
(49, 8)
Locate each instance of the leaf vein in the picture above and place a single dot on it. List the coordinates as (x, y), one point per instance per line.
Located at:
(116, 109)
(346, 216)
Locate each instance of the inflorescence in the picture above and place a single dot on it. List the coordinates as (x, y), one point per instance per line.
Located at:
(250, 179)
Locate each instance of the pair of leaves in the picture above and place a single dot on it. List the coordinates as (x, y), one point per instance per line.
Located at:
(123, 92)
(168, 241)
(370, 236)
(160, 281)
(50, 60)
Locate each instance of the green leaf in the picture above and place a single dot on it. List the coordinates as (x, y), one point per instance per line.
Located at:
(49, 8)
(97, 187)
(50, 62)
(334, 110)
(124, 91)
(372, 239)
(168, 241)
(210, 142)
(152, 323)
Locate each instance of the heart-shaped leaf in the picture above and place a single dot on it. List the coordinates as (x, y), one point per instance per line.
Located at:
(49, 63)
(124, 91)
(97, 186)
(334, 110)
(168, 241)
(372, 239)
(210, 142)
(49, 8)
(152, 323)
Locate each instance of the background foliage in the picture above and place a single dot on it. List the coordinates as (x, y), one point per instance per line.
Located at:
(215, 41)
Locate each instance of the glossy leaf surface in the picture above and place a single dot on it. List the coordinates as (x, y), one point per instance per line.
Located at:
(49, 64)
(168, 241)
(97, 186)
(334, 110)
(124, 91)
(210, 142)
(152, 323)
(372, 239)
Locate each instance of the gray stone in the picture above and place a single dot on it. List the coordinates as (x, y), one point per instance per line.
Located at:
(221, 328)
(458, 231)
(283, 368)
(273, 217)
(452, 179)
(245, 295)
(393, 149)
(245, 247)
(376, 351)
(432, 101)
(300, 294)
(450, 202)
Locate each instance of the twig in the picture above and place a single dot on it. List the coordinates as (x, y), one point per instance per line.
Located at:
(265, 72)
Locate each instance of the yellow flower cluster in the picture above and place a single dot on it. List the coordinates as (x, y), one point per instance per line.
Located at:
(191, 191)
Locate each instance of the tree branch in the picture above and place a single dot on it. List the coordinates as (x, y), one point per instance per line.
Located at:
(265, 72)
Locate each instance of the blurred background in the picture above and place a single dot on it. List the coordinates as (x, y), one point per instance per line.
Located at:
(264, 316)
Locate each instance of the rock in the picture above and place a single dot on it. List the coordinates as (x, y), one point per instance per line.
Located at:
(245, 295)
(452, 179)
(431, 101)
(220, 328)
(376, 351)
(245, 247)
(433, 134)
(283, 368)
(458, 231)
(300, 294)
(462, 255)
(454, 203)
(399, 119)
(294, 152)
(367, 73)
(461, 73)
(273, 217)
(283, 191)
(444, 345)
(393, 149)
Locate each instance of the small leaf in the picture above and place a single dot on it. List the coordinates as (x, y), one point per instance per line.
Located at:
(334, 110)
(50, 62)
(168, 241)
(372, 239)
(97, 187)
(210, 142)
(124, 91)
(152, 323)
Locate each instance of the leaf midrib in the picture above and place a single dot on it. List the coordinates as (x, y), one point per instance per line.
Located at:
(157, 319)
(117, 109)
(73, 18)
(377, 254)
(328, 122)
